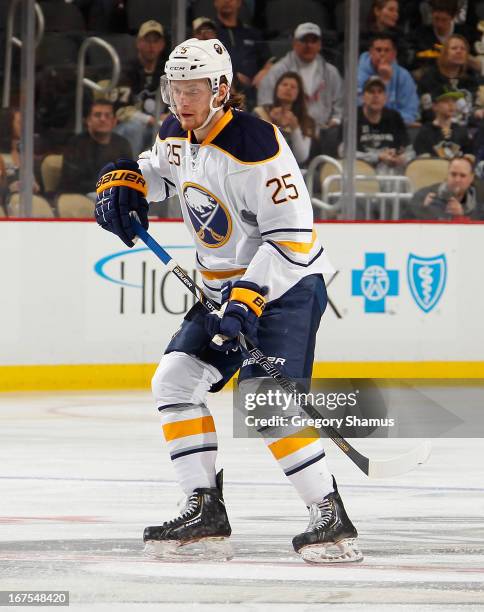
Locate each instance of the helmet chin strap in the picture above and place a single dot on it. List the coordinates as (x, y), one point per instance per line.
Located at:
(213, 109)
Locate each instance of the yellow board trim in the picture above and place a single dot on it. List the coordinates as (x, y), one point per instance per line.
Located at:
(190, 427)
(296, 441)
(138, 375)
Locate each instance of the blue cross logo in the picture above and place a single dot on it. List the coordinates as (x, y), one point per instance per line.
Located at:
(375, 283)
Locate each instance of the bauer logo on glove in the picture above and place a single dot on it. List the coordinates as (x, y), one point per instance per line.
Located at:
(121, 191)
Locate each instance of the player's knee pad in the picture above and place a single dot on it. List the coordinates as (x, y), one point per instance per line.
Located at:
(182, 379)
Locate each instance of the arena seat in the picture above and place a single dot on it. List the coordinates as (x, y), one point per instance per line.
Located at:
(75, 205)
(50, 170)
(40, 207)
(124, 45)
(425, 171)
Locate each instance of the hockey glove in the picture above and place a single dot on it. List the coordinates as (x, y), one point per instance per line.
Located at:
(121, 190)
(245, 306)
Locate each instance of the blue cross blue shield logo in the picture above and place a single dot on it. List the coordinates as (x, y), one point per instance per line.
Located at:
(427, 277)
(375, 282)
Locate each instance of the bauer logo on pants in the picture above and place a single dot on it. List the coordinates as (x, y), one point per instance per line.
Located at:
(427, 277)
(209, 217)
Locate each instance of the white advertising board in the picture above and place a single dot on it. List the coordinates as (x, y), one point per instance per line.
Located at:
(73, 294)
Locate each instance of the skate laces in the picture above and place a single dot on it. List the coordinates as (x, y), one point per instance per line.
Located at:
(190, 506)
(320, 515)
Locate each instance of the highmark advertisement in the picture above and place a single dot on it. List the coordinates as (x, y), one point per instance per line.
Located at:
(400, 292)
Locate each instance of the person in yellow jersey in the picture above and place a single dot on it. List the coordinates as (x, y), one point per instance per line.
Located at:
(245, 203)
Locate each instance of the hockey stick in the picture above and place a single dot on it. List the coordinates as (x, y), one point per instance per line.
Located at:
(371, 467)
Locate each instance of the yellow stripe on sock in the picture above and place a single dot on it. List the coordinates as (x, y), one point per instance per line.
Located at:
(190, 427)
(290, 444)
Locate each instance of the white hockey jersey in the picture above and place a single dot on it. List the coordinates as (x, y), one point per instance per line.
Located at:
(244, 200)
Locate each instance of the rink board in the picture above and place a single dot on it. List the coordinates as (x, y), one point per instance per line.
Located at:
(406, 300)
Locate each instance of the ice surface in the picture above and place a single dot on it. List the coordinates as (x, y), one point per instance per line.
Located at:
(81, 475)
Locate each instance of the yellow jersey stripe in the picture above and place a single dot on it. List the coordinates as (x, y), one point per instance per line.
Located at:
(299, 247)
(190, 427)
(290, 444)
(220, 274)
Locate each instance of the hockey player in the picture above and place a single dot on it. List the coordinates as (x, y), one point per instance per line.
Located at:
(246, 205)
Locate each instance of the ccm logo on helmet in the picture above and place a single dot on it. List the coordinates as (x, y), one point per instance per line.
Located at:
(119, 175)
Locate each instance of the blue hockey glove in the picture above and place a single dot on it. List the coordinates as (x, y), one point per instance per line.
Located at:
(121, 190)
(245, 306)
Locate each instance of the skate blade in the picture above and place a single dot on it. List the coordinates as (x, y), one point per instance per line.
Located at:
(212, 549)
(344, 551)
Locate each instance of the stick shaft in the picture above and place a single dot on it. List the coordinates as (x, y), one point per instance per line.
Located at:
(288, 385)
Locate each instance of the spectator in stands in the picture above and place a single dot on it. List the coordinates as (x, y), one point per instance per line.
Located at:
(246, 46)
(323, 86)
(442, 137)
(136, 94)
(383, 17)
(451, 71)
(93, 149)
(429, 39)
(455, 199)
(382, 138)
(288, 111)
(12, 156)
(401, 89)
(204, 28)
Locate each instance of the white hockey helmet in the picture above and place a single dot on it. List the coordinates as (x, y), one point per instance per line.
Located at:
(197, 59)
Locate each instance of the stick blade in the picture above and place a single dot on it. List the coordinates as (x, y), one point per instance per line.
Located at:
(401, 464)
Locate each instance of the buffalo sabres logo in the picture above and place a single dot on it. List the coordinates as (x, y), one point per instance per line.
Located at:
(427, 277)
(210, 219)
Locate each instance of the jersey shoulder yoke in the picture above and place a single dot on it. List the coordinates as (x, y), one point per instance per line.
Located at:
(248, 139)
(171, 128)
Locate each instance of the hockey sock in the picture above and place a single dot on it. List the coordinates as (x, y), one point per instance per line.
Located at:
(301, 456)
(189, 431)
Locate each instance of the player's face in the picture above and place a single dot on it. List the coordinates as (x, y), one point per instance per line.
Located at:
(387, 16)
(374, 98)
(460, 176)
(192, 101)
(307, 48)
(457, 52)
(287, 90)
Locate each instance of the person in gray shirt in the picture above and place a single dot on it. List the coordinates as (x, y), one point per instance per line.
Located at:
(323, 85)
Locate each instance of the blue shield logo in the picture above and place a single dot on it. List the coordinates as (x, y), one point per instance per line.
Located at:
(427, 277)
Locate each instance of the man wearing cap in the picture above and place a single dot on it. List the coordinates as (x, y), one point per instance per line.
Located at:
(323, 85)
(204, 28)
(137, 90)
(401, 89)
(382, 138)
(442, 137)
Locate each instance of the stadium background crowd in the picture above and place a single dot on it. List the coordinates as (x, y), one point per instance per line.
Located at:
(420, 84)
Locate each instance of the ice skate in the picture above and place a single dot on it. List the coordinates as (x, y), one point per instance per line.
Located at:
(330, 536)
(199, 532)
